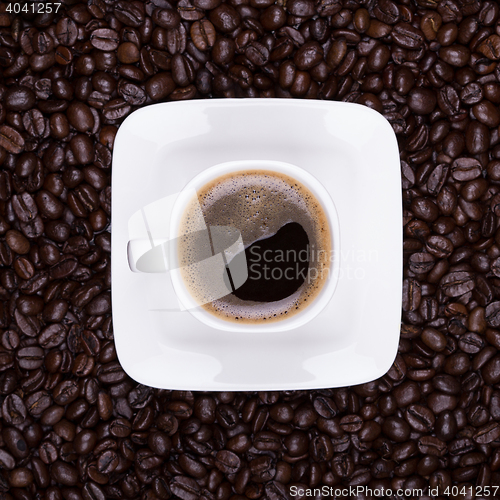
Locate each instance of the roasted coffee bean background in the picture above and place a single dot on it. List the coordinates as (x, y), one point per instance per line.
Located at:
(73, 425)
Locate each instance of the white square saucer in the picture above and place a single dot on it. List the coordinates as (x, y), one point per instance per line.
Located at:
(352, 151)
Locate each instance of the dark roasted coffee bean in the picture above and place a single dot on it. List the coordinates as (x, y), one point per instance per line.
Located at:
(66, 31)
(13, 409)
(457, 283)
(38, 402)
(422, 101)
(17, 242)
(203, 34)
(490, 47)
(64, 473)
(80, 117)
(104, 39)
(166, 18)
(30, 358)
(19, 98)
(455, 55)
(434, 339)
(396, 429)
(439, 246)
(425, 208)
(406, 36)
(24, 207)
(446, 383)
(308, 56)
(431, 445)
(420, 418)
(34, 123)
(184, 487)
(227, 462)
(225, 18)
(10, 139)
(160, 86)
(182, 70)
(128, 53)
(466, 169)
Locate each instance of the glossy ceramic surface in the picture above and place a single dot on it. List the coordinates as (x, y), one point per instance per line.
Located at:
(349, 149)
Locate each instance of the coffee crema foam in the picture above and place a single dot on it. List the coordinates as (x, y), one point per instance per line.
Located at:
(257, 203)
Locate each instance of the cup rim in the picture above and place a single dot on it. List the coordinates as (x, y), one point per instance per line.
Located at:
(318, 190)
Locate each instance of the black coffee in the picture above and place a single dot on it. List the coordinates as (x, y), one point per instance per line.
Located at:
(277, 266)
(286, 246)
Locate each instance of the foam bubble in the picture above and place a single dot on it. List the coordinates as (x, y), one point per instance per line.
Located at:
(257, 203)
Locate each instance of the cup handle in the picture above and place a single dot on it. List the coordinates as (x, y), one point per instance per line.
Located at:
(143, 257)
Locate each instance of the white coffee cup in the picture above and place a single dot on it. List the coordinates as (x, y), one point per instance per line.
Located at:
(309, 181)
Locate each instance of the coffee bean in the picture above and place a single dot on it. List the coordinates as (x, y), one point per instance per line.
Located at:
(446, 426)
(466, 169)
(476, 139)
(425, 208)
(488, 433)
(104, 39)
(396, 429)
(227, 462)
(108, 461)
(38, 402)
(351, 423)
(434, 339)
(19, 98)
(308, 56)
(439, 246)
(65, 392)
(30, 358)
(166, 18)
(457, 283)
(53, 335)
(11, 140)
(128, 53)
(14, 410)
(446, 383)
(17, 242)
(81, 147)
(21, 477)
(207, 4)
(182, 70)
(491, 47)
(422, 101)
(406, 36)
(301, 8)
(184, 487)
(432, 446)
(203, 34)
(66, 31)
(455, 55)
(430, 24)
(160, 86)
(493, 314)
(7, 460)
(420, 418)
(92, 491)
(64, 473)
(80, 117)
(225, 18)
